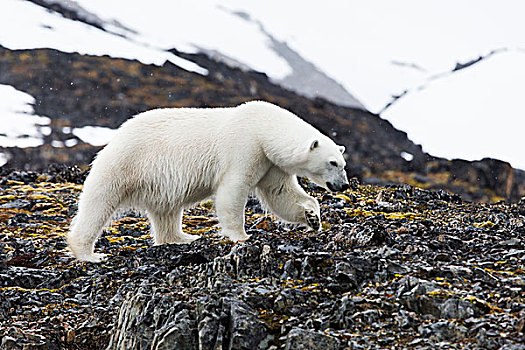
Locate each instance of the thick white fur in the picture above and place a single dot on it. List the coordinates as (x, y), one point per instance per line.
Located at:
(167, 159)
(280, 192)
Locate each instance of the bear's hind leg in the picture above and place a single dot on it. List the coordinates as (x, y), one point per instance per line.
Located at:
(94, 211)
(167, 228)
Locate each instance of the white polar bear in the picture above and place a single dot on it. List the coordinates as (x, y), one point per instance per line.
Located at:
(167, 159)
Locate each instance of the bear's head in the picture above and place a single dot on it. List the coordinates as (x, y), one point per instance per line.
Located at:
(325, 165)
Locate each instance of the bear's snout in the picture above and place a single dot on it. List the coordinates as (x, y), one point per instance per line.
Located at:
(338, 186)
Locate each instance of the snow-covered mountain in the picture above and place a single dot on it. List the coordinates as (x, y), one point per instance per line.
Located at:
(474, 112)
(398, 58)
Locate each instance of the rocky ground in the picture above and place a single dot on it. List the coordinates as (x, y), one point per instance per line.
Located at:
(394, 267)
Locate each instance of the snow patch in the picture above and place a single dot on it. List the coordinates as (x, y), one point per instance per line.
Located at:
(57, 144)
(46, 130)
(19, 127)
(193, 25)
(94, 135)
(71, 142)
(4, 158)
(407, 156)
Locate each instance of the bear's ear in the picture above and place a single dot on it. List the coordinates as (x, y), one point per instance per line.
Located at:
(342, 149)
(315, 144)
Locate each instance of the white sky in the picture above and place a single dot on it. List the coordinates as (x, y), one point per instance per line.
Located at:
(354, 42)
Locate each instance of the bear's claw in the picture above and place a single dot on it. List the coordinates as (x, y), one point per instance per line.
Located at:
(312, 220)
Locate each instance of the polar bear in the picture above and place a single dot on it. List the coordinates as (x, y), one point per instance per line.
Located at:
(165, 160)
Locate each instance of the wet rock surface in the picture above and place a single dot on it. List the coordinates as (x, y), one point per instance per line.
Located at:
(394, 267)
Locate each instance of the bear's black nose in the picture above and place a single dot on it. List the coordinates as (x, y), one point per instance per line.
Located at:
(337, 187)
(331, 187)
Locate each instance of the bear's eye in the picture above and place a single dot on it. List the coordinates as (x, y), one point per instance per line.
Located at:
(333, 163)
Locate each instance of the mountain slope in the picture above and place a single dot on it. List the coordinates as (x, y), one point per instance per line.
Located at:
(487, 94)
(78, 92)
(109, 36)
(338, 51)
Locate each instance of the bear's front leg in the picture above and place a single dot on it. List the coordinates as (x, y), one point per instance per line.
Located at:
(230, 201)
(281, 193)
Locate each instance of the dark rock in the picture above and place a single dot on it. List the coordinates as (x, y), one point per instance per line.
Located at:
(10, 343)
(406, 319)
(346, 275)
(368, 236)
(302, 339)
(178, 334)
(443, 331)
(210, 328)
(17, 204)
(247, 331)
(342, 312)
(367, 317)
(454, 308)
(513, 347)
(137, 321)
(290, 271)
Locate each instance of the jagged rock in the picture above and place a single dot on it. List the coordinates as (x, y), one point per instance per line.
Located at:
(513, 347)
(455, 308)
(367, 317)
(346, 275)
(406, 319)
(10, 343)
(25, 277)
(247, 331)
(241, 261)
(368, 236)
(156, 320)
(178, 334)
(17, 204)
(342, 312)
(290, 271)
(129, 332)
(302, 339)
(443, 331)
